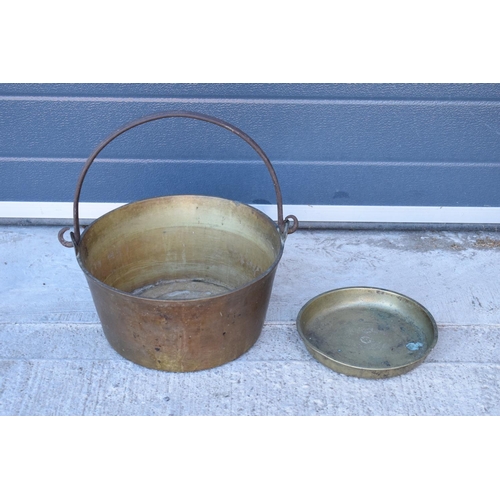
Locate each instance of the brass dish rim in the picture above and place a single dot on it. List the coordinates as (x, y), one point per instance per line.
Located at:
(364, 371)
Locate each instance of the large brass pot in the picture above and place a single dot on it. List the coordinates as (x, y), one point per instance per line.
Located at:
(181, 283)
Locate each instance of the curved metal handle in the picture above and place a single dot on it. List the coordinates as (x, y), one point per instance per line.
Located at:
(286, 225)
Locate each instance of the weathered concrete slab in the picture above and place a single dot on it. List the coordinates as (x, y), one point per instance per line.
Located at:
(54, 359)
(41, 280)
(82, 387)
(452, 274)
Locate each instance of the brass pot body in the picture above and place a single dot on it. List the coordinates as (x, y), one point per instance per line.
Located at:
(181, 283)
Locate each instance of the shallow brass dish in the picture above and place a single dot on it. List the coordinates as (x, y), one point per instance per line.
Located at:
(367, 332)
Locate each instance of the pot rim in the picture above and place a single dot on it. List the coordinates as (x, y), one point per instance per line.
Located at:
(259, 213)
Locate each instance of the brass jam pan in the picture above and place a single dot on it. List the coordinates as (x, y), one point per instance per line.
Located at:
(367, 332)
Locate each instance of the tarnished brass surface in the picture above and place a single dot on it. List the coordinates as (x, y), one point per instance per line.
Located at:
(181, 283)
(367, 332)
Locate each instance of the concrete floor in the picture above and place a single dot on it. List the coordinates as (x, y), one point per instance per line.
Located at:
(54, 359)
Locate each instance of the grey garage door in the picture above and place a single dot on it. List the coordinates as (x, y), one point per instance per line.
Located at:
(401, 152)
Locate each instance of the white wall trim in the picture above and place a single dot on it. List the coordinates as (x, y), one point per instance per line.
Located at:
(305, 213)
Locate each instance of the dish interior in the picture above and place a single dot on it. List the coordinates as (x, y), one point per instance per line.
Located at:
(368, 329)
